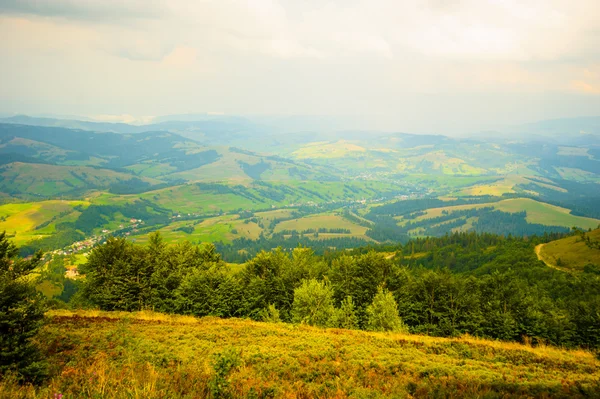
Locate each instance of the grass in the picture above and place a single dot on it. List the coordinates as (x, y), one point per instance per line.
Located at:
(189, 198)
(49, 289)
(53, 180)
(537, 212)
(222, 228)
(324, 149)
(147, 355)
(503, 186)
(328, 221)
(551, 215)
(441, 162)
(21, 219)
(151, 169)
(573, 253)
(508, 185)
(577, 174)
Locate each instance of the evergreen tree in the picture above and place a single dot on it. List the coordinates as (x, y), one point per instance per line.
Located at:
(270, 314)
(345, 316)
(21, 314)
(382, 314)
(313, 303)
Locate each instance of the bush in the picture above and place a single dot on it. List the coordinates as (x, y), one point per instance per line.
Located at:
(382, 314)
(313, 303)
(270, 314)
(223, 364)
(21, 315)
(345, 316)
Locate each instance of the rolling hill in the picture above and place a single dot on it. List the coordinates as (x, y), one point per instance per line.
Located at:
(573, 253)
(46, 181)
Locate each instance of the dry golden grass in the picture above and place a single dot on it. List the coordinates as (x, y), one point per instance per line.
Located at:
(98, 354)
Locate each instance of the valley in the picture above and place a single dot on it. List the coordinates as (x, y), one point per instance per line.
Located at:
(200, 181)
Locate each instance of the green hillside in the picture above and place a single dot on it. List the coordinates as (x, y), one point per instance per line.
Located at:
(537, 212)
(573, 253)
(44, 180)
(150, 355)
(32, 220)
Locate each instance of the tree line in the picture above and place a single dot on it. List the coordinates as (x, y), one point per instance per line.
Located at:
(481, 284)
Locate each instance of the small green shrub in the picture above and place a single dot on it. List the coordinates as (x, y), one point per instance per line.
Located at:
(223, 363)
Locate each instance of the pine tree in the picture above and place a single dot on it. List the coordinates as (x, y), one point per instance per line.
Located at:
(21, 315)
(313, 303)
(345, 316)
(382, 314)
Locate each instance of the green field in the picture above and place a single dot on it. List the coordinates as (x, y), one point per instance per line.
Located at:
(149, 355)
(330, 221)
(191, 198)
(222, 228)
(537, 212)
(571, 253)
(54, 180)
(21, 219)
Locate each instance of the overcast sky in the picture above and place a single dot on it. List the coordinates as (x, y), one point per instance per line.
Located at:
(441, 66)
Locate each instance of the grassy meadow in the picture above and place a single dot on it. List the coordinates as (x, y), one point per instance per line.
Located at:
(573, 253)
(21, 219)
(222, 228)
(325, 220)
(537, 212)
(148, 355)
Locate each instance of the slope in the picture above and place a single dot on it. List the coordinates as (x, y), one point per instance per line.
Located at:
(573, 253)
(42, 180)
(150, 355)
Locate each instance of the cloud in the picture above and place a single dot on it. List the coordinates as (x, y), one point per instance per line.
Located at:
(513, 30)
(288, 56)
(181, 57)
(589, 81)
(87, 10)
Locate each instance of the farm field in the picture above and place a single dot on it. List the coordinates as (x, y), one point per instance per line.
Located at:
(329, 221)
(537, 212)
(222, 228)
(21, 219)
(114, 355)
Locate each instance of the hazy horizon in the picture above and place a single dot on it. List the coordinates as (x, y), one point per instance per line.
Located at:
(445, 67)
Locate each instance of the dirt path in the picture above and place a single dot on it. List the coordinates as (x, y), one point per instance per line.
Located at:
(538, 252)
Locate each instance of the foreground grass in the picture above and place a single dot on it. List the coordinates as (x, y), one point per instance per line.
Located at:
(147, 355)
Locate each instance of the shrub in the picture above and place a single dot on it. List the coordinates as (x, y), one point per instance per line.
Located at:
(270, 314)
(223, 363)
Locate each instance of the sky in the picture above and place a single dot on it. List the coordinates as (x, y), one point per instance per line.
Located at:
(434, 66)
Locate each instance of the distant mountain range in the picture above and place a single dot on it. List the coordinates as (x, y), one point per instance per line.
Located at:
(558, 129)
(229, 148)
